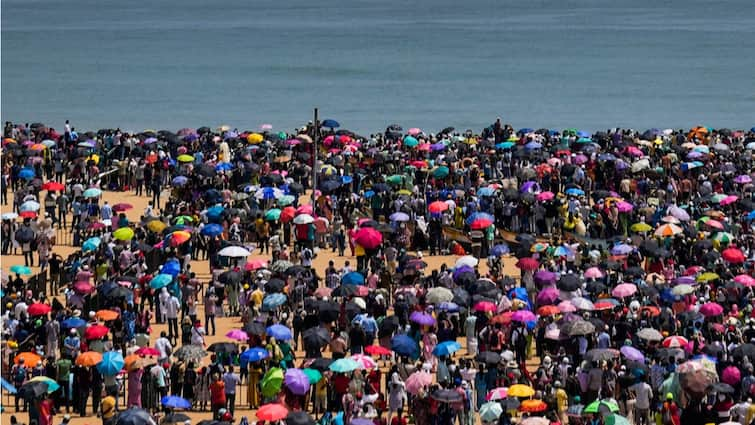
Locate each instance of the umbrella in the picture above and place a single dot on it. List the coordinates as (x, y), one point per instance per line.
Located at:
(272, 381)
(528, 263)
(7, 386)
(422, 318)
(624, 290)
(404, 345)
(234, 251)
(417, 381)
(32, 390)
(368, 238)
(578, 327)
(273, 301)
(520, 390)
(38, 309)
(532, 406)
(112, 363)
(601, 354)
(711, 309)
(237, 334)
(632, 353)
(189, 352)
(52, 385)
(675, 342)
(160, 281)
(223, 347)
(175, 402)
(73, 322)
(272, 412)
(438, 295)
(446, 396)
(344, 365)
(731, 375)
(279, 332)
(254, 355)
(174, 418)
(88, 359)
(353, 278)
(134, 416)
(446, 348)
(96, 332)
(316, 337)
(490, 411)
(296, 381)
(300, 418)
(488, 357)
(601, 406)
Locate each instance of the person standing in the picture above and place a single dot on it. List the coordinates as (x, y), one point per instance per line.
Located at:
(172, 306)
(643, 397)
(52, 330)
(19, 373)
(64, 378)
(230, 381)
(135, 388)
(209, 310)
(62, 202)
(217, 396)
(108, 408)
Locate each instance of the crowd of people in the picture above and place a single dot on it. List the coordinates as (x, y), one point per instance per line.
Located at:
(600, 278)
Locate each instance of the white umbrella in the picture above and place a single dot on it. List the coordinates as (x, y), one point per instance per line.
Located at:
(583, 303)
(640, 165)
(303, 219)
(29, 206)
(467, 260)
(234, 251)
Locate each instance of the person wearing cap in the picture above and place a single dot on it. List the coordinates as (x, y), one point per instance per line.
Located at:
(670, 414)
(72, 344)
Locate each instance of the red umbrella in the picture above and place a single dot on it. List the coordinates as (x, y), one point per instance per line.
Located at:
(305, 209)
(28, 214)
(122, 207)
(369, 238)
(83, 287)
(503, 318)
(733, 255)
(485, 306)
(548, 310)
(287, 214)
(96, 332)
(272, 412)
(377, 350)
(148, 351)
(675, 342)
(53, 186)
(437, 207)
(38, 309)
(528, 263)
(96, 226)
(480, 223)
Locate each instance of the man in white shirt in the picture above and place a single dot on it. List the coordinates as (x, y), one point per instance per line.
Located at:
(172, 306)
(164, 346)
(643, 397)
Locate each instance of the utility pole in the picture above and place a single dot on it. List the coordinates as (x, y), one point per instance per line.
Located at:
(315, 138)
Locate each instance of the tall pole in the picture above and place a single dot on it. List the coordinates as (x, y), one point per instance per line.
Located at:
(315, 138)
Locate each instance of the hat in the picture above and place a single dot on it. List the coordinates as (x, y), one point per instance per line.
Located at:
(557, 384)
(669, 396)
(577, 399)
(511, 364)
(73, 331)
(76, 313)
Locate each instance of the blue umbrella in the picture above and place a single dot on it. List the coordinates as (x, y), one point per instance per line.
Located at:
(574, 191)
(254, 354)
(330, 123)
(563, 251)
(26, 174)
(485, 191)
(344, 365)
(7, 386)
(91, 244)
(369, 194)
(224, 166)
(160, 281)
(214, 213)
(212, 229)
(279, 332)
(520, 294)
(399, 216)
(525, 130)
(353, 278)
(500, 249)
(19, 269)
(92, 192)
(583, 134)
(446, 348)
(505, 145)
(73, 322)
(346, 179)
(533, 146)
(273, 301)
(480, 216)
(751, 215)
(112, 363)
(404, 345)
(448, 306)
(179, 181)
(175, 402)
(172, 268)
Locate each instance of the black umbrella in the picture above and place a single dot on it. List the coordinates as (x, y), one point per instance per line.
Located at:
(295, 188)
(275, 285)
(328, 311)
(634, 271)
(295, 270)
(569, 282)
(116, 293)
(578, 327)
(329, 185)
(223, 347)
(206, 170)
(465, 279)
(255, 328)
(595, 287)
(134, 416)
(461, 297)
(600, 354)
(744, 350)
(316, 337)
(31, 390)
(482, 285)
(352, 309)
(24, 234)
(489, 358)
(230, 276)
(666, 353)
(380, 187)
(721, 388)
(389, 324)
(446, 396)
(175, 418)
(299, 418)
(510, 403)
(344, 291)
(321, 363)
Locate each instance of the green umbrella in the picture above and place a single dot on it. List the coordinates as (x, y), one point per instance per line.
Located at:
(273, 214)
(723, 237)
(314, 375)
(440, 172)
(394, 179)
(616, 420)
(410, 142)
(718, 198)
(285, 200)
(601, 405)
(272, 381)
(184, 219)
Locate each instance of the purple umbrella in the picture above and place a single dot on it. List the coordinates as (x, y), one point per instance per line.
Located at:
(422, 318)
(545, 277)
(632, 353)
(678, 213)
(548, 295)
(579, 159)
(297, 381)
(684, 280)
(743, 179)
(624, 206)
(621, 165)
(523, 316)
(621, 249)
(695, 155)
(529, 186)
(461, 270)
(437, 147)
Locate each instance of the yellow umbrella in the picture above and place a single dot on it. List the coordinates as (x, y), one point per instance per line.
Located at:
(707, 277)
(185, 158)
(520, 390)
(123, 234)
(641, 227)
(404, 192)
(156, 226)
(254, 138)
(94, 157)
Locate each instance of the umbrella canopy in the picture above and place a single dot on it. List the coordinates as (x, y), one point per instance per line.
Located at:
(296, 381)
(272, 381)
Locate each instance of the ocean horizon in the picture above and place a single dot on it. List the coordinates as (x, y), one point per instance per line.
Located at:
(577, 63)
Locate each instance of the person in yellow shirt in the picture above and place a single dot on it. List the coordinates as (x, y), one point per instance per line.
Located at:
(107, 409)
(562, 402)
(321, 395)
(256, 297)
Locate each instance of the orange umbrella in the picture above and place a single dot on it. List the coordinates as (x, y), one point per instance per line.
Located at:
(532, 406)
(107, 315)
(90, 358)
(37, 147)
(133, 362)
(548, 310)
(30, 359)
(179, 237)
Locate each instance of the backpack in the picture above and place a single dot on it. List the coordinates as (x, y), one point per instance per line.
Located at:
(666, 415)
(20, 375)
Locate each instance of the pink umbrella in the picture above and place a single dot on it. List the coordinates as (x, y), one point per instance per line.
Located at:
(624, 206)
(731, 375)
(255, 264)
(417, 381)
(594, 273)
(714, 224)
(523, 316)
(729, 200)
(545, 196)
(548, 295)
(744, 279)
(496, 394)
(369, 238)
(624, 290)
(633, 151)
(413, 131)
(485, 306)
(566, 307)
(711, 309)
(365, 362)
(237, 334)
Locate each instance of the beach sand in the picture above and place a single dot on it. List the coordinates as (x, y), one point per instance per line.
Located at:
(224, 324)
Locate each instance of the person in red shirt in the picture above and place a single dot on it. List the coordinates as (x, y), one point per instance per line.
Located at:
(217, 396)
(399, 419)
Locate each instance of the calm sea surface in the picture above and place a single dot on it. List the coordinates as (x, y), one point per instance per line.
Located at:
(587, 63)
